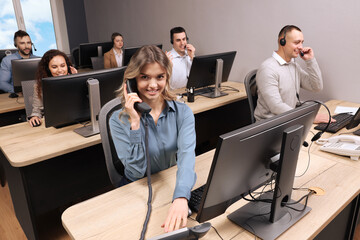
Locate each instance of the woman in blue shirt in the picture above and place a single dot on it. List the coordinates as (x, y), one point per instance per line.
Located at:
(171, 129)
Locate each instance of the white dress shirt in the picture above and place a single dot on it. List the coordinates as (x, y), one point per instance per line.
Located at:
(180, 70)
(119, 58)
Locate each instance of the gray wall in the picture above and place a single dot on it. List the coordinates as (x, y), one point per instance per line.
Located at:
(330, 27)
(76, 22)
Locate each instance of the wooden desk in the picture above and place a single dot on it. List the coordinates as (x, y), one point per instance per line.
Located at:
(121, 212)
(315, 149)
(11, 109)
(48, 168)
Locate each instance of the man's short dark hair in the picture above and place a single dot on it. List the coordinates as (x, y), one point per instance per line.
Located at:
(114, 35)
(286, 29)
(19, 34)
(176, 30)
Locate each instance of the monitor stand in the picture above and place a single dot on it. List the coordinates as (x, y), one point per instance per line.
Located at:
(254, 216)
(94, 103)
(100, 51)
(218, 79)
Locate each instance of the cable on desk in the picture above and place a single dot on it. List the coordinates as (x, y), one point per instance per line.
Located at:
(17, 101)
(308, 164)
(229, 88)
(306, 201)
(269, 183)
(217, 232)
(148, 173)
(84, 123)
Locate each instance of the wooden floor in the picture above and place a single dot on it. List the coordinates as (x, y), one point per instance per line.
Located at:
(10, 229)
(51, 227)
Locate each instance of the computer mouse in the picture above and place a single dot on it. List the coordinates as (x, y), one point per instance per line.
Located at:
(189, 212)
(36, 124)
(13, 95)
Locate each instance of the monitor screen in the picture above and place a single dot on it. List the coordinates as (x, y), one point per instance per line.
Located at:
(130, 51)
(243, 158)
(66, 99)
(23, 70)
(88, 50)
(5, 52)
(203, 69)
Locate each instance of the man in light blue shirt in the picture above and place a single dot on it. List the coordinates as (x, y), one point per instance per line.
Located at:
(171, 141)
(23, 43)
(181, 56)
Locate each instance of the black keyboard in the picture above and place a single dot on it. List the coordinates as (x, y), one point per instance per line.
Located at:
(200, 91)
(195, 198)
(342, 120)
(357, 132)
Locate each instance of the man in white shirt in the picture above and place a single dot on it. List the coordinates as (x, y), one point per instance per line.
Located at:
(279, 78)
(181, 56)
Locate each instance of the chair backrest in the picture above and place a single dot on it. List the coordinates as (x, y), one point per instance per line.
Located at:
(97, 62)
(28, 93)
(75, 56)
(113, 164)
(251, 92)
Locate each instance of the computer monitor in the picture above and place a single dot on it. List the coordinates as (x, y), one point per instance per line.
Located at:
(210, 69)
(88, 50)
(5, 52)
(66, 98)
(130, 51)
(23, 70)
(245, 159)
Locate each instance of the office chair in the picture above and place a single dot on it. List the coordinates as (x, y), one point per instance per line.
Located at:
(113, 164)
(97, 62)
(251, 92)
(28, 93)
(75, 57)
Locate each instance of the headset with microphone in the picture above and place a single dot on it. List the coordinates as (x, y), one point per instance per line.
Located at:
(283, 39)
(177, 30)
(32, 44)
(172, 38)
(299, 103)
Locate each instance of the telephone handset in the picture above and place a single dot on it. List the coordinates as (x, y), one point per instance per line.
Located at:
(69, 70)
(347, 145)
(131, 87)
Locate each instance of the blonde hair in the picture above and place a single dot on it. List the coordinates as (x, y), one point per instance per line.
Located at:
(146, 55)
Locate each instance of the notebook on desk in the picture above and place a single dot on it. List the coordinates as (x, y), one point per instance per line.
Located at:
(347, 120)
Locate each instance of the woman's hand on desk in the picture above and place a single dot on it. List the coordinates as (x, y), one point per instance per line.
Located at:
(322, 118)
(35, 121)
(177, 215)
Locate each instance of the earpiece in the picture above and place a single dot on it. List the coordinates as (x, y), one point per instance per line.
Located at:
(283, 41)
(33, 46)
(284, 30)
